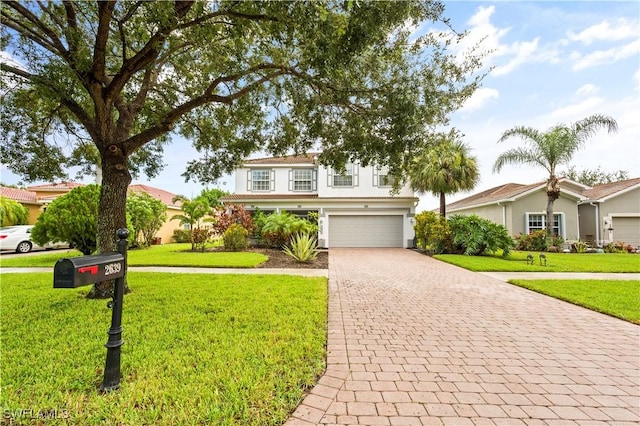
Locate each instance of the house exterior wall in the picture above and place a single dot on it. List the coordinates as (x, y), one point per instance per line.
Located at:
(587, 220)
(364, 181)
(492, 212)
(625, 205)
(536, 202)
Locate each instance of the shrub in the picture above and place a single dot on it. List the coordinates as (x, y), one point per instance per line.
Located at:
(225, 216)
(235, 238)
(279, 227)
(473, 235)
(432, 232)
(182, 235)
(302, 247)
(200, 237)
(534, 241)
(259, 217)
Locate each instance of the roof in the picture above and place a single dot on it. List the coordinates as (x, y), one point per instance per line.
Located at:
(21, 195)
(62, 186)
(165, 196)
(286, 159)
(494, 195)
(606, 190)
(510, 191)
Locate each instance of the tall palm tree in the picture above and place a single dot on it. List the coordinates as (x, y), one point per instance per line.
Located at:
(194, 210)
(550, 149)
(445, 168)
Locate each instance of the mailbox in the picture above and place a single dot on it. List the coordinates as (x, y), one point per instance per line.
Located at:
(78, 271)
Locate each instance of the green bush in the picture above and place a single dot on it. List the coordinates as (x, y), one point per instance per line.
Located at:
(279, 227)
(473, 235)
(182, 235)
(235, 238)
(302, 247)
(432, 232)
(533, 241)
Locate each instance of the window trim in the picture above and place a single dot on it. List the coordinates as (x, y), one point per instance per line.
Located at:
(331, 181)
(251, 181)
(561, 219)
(312, 180)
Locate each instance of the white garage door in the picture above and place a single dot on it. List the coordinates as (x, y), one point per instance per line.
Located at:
(365, 231)
(627, 230)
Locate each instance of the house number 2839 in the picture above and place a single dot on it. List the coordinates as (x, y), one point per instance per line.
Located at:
(112, 268)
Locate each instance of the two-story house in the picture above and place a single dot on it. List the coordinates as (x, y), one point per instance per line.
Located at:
(355, 208)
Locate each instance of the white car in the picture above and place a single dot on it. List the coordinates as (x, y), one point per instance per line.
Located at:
(18, 238)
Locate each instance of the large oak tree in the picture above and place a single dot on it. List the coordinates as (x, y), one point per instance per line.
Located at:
(111, 82)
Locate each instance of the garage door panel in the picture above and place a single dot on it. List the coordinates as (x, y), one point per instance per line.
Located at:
(365, 231)
(627, 230)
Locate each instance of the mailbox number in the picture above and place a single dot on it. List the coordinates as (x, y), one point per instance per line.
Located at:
(112, 268)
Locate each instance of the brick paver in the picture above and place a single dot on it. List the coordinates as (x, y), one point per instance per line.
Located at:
(415, 341)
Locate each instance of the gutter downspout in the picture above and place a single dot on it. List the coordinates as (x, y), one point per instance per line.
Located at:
(597, 206)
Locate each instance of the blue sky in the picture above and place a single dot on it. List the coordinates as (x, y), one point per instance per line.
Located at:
(553, 62)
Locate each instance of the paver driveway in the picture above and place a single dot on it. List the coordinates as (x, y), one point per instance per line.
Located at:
(413, 341)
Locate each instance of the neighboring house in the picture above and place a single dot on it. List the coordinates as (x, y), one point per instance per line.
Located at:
(37, 198)
(355, 209)
(166, 231)
(598, 215)
(27, 198)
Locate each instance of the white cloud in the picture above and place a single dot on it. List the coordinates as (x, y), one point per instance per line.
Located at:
(620, 30)
(587, 89)
(600, 57)
(576, 111)
(479, 99)
(524, 52)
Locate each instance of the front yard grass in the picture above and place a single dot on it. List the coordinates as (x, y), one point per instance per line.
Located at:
(160, 255)
(613, 297)
(199, 349)
(556, 262)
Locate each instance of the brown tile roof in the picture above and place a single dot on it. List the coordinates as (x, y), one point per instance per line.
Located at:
(493, 195)
(20, 195)
(165, 196)
(287, 159)
(602, 191)
(62, 186)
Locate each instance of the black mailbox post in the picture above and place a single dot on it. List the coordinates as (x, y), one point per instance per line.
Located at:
(76, 272)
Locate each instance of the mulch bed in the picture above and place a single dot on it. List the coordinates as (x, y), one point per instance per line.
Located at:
(278, 259)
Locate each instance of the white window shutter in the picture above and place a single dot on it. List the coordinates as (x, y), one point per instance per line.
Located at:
(272, 187)
(249, 180)
(375, 176)
(329, 177)
(290, 180)
(314, 180)
(355, 175)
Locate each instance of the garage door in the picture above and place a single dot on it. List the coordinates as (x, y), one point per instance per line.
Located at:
(365, 231)
(627, 230)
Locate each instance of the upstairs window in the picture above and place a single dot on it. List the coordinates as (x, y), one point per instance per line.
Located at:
(385, 180)
(261, 180)
(345, 179)
(302, 180)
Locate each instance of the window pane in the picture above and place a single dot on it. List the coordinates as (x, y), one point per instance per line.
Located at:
(346, 179)
(260, 180)
(385, 180)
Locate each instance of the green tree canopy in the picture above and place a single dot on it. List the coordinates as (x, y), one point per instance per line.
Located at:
(147, 214)
(110, 83)
(12, 212)
(213, 196)
(551, 149)
(72, 218)
(597, 176)
(445, 167)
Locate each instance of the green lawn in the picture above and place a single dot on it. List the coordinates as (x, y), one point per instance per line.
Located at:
(161, 255)
(199, 349)
(556, 262)
(618, 298)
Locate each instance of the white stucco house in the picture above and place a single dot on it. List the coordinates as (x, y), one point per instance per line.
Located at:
(355, 209)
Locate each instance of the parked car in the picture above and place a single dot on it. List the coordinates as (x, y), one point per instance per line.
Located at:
(18, 239)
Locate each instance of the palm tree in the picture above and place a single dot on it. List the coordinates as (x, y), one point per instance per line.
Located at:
(194, 210)
(12, 212)
(445, 168)
(550, 149)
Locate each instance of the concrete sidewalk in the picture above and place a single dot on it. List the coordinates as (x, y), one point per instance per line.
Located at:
(188, 270)
(506, 276)
(415, 341)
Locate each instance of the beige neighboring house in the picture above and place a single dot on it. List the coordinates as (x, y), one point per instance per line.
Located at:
(37, 198)
(355, 209)
(598, 214)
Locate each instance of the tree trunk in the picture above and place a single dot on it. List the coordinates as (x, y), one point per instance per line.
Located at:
(443, 204)
(111, 211)
(553, 193)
